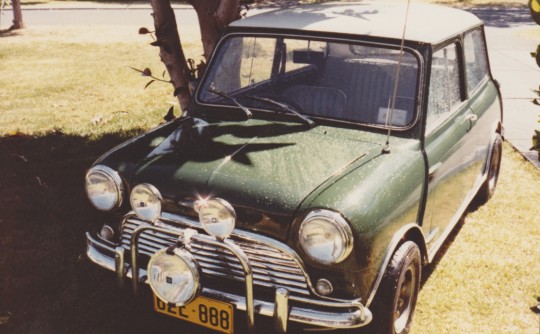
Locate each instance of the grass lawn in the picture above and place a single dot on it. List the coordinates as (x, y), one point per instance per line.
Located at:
(78, 81)
(489, 277)
(68, 95)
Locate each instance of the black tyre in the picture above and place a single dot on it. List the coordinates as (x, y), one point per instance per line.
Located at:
(488, 188)
(394, 304)
(537, 56)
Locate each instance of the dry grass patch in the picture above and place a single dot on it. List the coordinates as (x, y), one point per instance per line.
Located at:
(77, 80)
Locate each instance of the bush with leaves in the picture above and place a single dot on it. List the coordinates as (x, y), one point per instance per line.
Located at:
(536, 101)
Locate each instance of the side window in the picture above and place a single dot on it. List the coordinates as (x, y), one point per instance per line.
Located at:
(444, 87)
(476, 65)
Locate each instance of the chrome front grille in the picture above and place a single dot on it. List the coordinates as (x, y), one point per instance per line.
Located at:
(273, 264)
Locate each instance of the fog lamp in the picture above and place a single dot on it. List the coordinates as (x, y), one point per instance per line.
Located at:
(107, 233)
(324, 287)
(217, 217)
(174, 276)
(146, 202)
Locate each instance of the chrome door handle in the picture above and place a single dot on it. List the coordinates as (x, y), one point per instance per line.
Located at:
(471, 117)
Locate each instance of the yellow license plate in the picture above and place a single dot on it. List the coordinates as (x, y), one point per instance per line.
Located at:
(202, 311)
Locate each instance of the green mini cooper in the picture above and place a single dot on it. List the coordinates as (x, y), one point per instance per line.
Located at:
(328, 153)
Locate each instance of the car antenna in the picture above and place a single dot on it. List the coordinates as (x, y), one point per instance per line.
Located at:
(392, 103)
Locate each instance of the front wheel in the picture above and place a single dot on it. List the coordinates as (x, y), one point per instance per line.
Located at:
(394, 304)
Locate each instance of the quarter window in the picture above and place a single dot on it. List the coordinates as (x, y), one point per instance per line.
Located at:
(476, 64)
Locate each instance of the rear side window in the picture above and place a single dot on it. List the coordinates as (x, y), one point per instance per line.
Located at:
(444, 87)
(476, 64)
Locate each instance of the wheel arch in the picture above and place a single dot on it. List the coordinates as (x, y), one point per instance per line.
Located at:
(410, 232)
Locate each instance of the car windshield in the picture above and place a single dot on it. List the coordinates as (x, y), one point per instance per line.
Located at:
(319, 79)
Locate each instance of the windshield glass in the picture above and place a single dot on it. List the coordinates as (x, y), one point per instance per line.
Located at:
(328, 79)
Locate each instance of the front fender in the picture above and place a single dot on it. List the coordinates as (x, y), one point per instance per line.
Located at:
(410, 232)
(381, 198)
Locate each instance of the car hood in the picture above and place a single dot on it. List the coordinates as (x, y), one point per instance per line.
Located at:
(263, 165)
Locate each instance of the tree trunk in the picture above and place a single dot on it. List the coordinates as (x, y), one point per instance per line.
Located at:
(171, 52)
(17, 15)
(214, 16)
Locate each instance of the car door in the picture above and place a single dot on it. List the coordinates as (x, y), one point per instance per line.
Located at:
(450, 145)
(483, 96)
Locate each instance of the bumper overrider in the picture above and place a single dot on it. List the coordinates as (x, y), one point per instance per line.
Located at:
(245, 257)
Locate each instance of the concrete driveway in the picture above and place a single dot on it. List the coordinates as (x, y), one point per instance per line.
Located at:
(510, 41)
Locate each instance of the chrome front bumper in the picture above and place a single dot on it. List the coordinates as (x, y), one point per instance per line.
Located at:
(286, 307)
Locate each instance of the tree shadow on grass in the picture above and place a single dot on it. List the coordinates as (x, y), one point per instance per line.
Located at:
(9, 32)
(46, 283)
(429, 269)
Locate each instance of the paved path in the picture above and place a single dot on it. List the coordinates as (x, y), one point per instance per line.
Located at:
(506, 29)
(38, 16)
(515, 69)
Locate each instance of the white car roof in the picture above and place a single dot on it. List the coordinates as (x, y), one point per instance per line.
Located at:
(426, 23)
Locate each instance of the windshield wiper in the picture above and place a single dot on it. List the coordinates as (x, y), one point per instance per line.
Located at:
(283, 106)
(233, 100)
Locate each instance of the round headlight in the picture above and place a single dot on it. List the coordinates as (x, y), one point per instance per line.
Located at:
(217, 217)
(146, 202)
(325, 237)
(174, 276)
(104, 188)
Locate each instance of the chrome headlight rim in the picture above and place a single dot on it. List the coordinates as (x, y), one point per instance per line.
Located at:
(191, 264)
(152, 191)
(115, 179)
(341, 225)
(200, 207)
